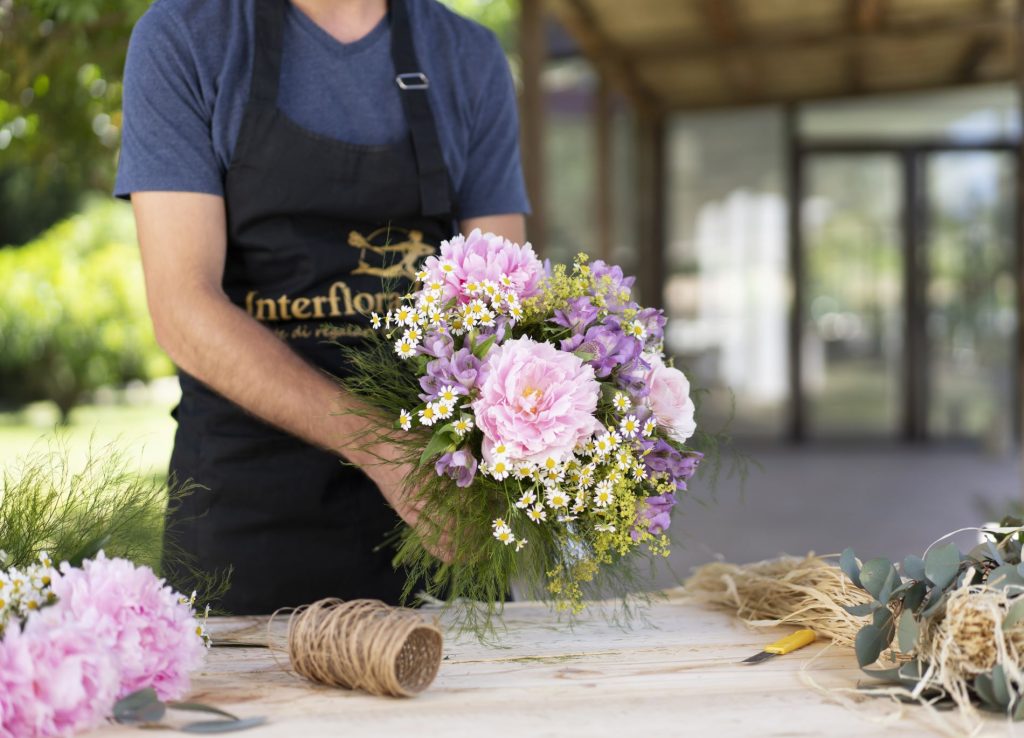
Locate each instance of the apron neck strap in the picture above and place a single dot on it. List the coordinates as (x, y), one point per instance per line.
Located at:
(266, 65)
(435, 195)
(412, 83)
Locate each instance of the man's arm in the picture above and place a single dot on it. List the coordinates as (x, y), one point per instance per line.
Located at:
(512, 226)
(183, 237)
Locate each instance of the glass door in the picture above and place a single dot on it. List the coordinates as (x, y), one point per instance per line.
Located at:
(970, 295)
(853, 295)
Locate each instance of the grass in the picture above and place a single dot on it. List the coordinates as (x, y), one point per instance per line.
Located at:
(143, 431)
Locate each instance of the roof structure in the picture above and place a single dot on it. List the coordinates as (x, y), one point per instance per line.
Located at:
(692, 54)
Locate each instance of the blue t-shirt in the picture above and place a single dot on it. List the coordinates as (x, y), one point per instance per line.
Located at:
(187, 78)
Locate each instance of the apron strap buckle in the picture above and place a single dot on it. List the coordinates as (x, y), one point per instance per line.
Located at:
(412, 81)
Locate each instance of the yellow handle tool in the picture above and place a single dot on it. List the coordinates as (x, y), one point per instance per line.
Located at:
(783, 646)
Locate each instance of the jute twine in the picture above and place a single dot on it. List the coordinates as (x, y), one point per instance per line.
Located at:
(364, 644)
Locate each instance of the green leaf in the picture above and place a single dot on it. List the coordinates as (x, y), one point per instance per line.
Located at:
(883, 620)
(139, 707)
(941, 565)
(848, 563)
(907, 632)
(886, 675)
(913, 567)
(859, 611)
(983, 687)
(869, 644)
(1015, 614)
(1005, 576)
(878, 577)
(223, 726)
(1000, 687)
(935, 604)
(915, 595)
(89, 550)
(1018, 710)
(199, 707)
(480, 350)
(910, 673)
(443, 440)
(584, 356)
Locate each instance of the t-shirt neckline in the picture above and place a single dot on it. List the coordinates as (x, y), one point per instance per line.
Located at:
(329, 42)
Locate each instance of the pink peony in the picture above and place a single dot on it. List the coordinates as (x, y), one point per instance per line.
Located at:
(151, 634)
(54, 680)
(481, 256)
(670, 401)
(536, 400)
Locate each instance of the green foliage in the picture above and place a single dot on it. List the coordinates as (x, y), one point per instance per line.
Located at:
(61, 63)
(911, 607)
(73, 311)
(48, 505)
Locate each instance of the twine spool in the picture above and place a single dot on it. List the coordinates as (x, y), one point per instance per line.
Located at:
(364, 644)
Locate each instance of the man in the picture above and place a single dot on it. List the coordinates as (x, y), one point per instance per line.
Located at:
(287, 161)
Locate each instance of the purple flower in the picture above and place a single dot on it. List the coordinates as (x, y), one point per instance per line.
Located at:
(607, 346)
(654, 321)
(461, 370)
(436, 344)
(459, 465)
(665, 459)
(611, 283)
(658, 510)
(632, 378)
(578, 314)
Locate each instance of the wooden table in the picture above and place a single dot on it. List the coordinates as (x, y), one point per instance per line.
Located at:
(675, 674)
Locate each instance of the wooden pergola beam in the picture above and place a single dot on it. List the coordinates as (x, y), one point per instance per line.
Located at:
(533, 53)
(863, 17)
(697, 50)
(983, 44)
(615, 66)
(740, 70)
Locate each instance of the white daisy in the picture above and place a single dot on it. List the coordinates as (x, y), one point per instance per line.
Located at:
(636, 329)
(428, 415)
(520, 544)
(405, 420)
(603, 495)
(375, 321)
(557, 498)
(630, 426)
(463, 425)
(404, 348)
(537, 514)
(499, 468)
(621, 402)
(650, 425)
(527, 499)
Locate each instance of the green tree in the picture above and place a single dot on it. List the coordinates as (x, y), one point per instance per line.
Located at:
(61, 63)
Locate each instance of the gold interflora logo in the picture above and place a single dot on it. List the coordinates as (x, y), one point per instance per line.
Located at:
(411, 251)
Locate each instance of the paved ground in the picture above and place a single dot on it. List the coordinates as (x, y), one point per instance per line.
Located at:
(881, 499)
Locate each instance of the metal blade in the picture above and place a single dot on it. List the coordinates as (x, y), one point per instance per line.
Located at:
(757, 658)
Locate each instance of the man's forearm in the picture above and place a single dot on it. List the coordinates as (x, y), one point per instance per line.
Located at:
(226, 349)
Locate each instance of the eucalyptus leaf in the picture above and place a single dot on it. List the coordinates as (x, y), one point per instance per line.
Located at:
(915, 595)
(907, 632)
(1015, 614)
(941, 565)
(884, 622)
(1000, 687)
(935, 604)
(911, 673)
(859, 611)
(1018, 710)
(885, 675)
(199, 707)
(878, 577)
(913, 567)
(983, 687)
(869, 644)
(142, 706)
(208, 727)
(848, 563)
(1005, 576)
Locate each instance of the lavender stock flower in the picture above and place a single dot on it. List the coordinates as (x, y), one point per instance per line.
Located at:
(665, 459)
(460, 465)
(461, 370)
(577, 316)
(606, 345)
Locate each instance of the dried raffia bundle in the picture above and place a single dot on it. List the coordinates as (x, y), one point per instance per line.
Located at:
(944, 628)
(364, 644)
(808, 592)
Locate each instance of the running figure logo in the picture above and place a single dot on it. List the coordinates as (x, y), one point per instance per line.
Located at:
(411, 251)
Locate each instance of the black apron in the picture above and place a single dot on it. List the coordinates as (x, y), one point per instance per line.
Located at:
(321, 233)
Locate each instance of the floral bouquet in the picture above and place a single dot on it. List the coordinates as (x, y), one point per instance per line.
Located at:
(547, 430)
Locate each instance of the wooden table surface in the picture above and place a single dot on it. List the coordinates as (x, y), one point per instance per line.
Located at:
(675, 674)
